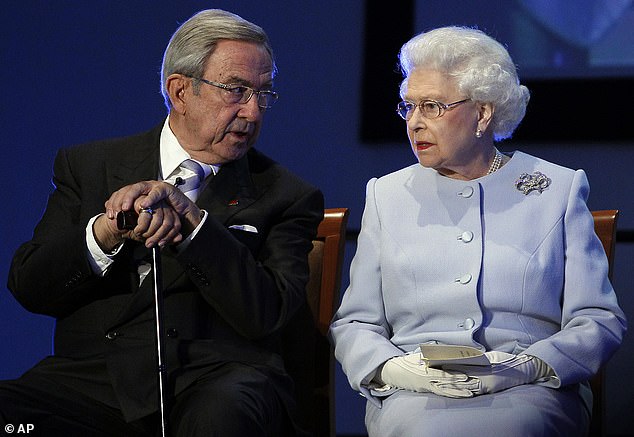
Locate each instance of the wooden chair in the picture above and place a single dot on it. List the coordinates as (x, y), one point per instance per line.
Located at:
(310, 361)
(605, 228)
(324, 286)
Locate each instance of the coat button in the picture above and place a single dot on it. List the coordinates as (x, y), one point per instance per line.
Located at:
(466, 237)
(467, 324)
(466, 192)
(172, 332)
(112, 335)
(464, 279)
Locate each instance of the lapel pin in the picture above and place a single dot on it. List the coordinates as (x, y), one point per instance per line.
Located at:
(233, 202)
(537, 181)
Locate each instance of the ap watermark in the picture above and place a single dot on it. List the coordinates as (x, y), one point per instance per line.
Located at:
(20, 428)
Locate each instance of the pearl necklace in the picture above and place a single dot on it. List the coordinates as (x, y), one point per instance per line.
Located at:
(497, 162)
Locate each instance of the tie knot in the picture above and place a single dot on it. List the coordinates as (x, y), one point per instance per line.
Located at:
(195, 167)
(190, 183)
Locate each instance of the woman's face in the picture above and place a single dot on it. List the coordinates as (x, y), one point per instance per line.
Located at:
(448, 143)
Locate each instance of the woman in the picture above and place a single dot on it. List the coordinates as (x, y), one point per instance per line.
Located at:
(474, 247)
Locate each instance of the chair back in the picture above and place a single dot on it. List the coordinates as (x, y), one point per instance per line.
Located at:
(310, 361)
(326, 262)
(605, 228)
(324, 287)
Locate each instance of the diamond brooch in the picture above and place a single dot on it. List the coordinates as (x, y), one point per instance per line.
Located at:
(532, 182)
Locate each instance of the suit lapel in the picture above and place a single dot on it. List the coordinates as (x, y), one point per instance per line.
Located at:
(230, 191)
(141, 163)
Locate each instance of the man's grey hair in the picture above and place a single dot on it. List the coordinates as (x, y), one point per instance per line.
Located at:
(196, 39)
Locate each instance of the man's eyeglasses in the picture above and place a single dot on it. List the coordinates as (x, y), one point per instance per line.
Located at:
(242, 94)
(428, 108)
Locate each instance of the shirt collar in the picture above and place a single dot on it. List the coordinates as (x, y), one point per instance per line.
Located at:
(172, 154)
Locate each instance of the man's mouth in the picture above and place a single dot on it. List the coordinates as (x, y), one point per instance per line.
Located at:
(240, 134)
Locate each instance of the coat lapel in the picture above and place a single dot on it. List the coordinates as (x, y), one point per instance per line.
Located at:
(230, 191)
(141, 163)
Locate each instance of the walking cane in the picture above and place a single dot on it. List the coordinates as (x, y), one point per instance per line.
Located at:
(128, 220)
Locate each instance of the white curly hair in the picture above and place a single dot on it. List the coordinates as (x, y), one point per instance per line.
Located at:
(481, 67)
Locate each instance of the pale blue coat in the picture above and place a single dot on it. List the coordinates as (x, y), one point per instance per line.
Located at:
(477, 263)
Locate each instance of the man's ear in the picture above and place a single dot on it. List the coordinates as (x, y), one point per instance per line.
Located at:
(176, 86)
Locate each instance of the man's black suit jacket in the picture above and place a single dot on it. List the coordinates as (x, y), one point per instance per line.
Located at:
(227, 295)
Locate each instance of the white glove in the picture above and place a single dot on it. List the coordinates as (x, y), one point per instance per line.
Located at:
(505, 371)
(409, 372)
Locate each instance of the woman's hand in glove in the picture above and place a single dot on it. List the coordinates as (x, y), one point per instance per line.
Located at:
(409, 372)
(506, 371)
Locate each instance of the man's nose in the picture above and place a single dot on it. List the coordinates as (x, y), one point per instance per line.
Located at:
(250, 110)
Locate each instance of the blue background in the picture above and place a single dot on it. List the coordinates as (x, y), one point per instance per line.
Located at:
(75, 71)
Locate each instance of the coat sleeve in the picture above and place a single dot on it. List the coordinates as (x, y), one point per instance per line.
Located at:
(360, 331)
(51, 274)
(592, 324)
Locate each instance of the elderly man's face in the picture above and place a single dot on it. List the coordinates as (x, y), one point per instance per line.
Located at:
(213, 130)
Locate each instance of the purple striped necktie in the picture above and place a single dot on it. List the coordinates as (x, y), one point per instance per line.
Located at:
(190, 184)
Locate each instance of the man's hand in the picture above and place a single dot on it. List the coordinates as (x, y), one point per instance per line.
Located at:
(166, 215)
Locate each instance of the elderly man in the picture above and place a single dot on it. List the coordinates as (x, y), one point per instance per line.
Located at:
(234, 229)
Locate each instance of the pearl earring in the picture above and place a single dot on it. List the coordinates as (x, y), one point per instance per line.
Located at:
(478, 133)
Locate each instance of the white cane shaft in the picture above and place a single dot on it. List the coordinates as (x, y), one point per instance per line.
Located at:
(158, 306)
